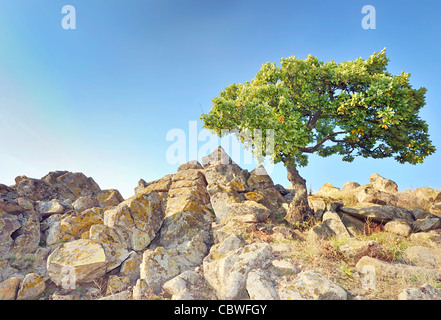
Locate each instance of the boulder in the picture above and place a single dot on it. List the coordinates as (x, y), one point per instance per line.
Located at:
(426, 224)
(310, 285)
(354, 249)
(422, 257)
(29, 236)
(188, 285)
(35, 189)
(328, 190)
(53, 206)
(383, 184)
(260, 286)
(227, 272)
(426, 193)
(8, 225)
(9, 288)
(350, 186)
(109, 198)
(333, 222)
(31, 287)
(259, 179)
(192, 164)
(76, 223)
(379, 214)
(369, 194)
(130, 266)
(398, 226)
(79, 261)
(141, 216)
(84, 203)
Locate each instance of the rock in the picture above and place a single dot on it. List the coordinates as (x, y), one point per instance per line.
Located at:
(311, 285)
(10, 205)
(109, 198)
(355, 249)
(383, 184)
(350, 186)
(228, 273)
(426, 224)
(193, 164)
(31, 287)
(124, 295)
(379, 214)
(283, 268)
(397, 270)
(141, 216)
(116, 284)
(9, 288)
(426, 193)
(78, 223)
(29, 238)
(114, 241)
(399, 227)
(259, 179)
(50, 207)
(422, 257)
(217, 157)
(260, 286)
(72, 185)
(425, 292)
(422, 214)
(354, 225)
(130, 266)
(321, 231)
(428, 237)
(281, 189)
(157, 267)
(369, 194)
(333, 222)
(79, 261)
(186, 286)
(328, 190)
(251, 208)
(318, 205)
(35, 189)
(84, 203)
(8, 225)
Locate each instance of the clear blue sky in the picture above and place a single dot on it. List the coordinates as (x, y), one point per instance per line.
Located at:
(100, 99)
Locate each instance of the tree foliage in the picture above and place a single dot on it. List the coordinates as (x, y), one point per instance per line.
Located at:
(353, 108)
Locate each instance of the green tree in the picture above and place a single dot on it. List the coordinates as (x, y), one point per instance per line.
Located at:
(353, 108)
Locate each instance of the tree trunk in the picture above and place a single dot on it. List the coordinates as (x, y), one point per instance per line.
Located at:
(299, 208)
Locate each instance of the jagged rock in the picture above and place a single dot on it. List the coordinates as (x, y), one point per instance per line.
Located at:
(141, 216)
(9, 288)
(310, 285)
(354, 225)
(72, 185)
(251, 208)
(380, 214)
(10, 205)
(8, 224)
(228, 273)
(321, 231)
(35, 189)
(425, 292)
(260, 286)
(383, 184)
(398, 226)
(31, 287)
(422, 256)
(428, 237)
(124, 295)
(79, 261)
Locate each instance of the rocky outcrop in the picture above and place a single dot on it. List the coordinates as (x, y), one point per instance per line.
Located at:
(213, 231)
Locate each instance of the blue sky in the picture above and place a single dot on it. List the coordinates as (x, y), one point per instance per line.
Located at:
(100, 99)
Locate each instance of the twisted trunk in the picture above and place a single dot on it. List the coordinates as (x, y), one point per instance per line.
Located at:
(299, 208)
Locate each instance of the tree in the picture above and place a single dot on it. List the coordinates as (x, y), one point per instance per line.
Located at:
(353, 108)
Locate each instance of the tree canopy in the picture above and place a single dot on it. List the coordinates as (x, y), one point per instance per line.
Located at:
(353, 108)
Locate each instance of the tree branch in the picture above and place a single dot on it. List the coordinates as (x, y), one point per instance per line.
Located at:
(318, 145)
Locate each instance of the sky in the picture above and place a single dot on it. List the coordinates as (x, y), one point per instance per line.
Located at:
(102, 98)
